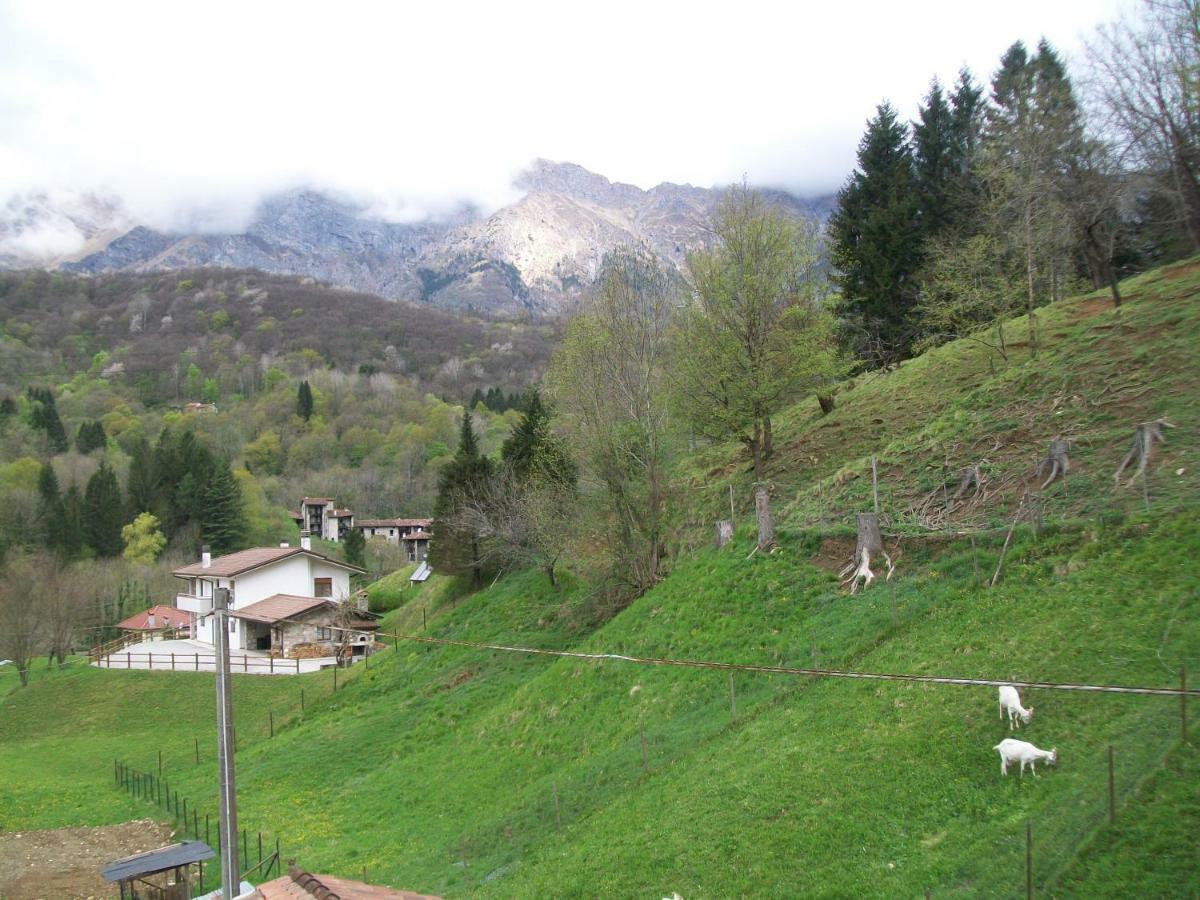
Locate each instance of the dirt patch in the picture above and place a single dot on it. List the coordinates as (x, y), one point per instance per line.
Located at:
(1180, 271)
(1088, 309)
(459, 678)
(833, 554)
(66, 862)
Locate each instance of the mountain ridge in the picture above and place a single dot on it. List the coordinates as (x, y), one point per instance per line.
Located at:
(536, 255)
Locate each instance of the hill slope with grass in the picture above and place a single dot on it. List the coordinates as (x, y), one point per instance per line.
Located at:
(458, 770)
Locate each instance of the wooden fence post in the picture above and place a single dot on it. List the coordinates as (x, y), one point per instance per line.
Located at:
(557, 811)
(271, 721)
(1112, 795)
(874, 485)
(197, 660)
(1183, 731)
(645, 760)
(301, 701)
(1028, 860)
(732, 700)
(197, 745)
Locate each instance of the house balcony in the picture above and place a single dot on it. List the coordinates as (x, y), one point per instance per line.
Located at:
(194, 604)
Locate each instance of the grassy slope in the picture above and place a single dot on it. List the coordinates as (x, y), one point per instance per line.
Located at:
(840, 788)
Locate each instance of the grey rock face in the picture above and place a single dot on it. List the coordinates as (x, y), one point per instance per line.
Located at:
(536, 255)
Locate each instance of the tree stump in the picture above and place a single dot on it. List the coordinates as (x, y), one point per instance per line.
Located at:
(1055, 464)
(870, 540)
(724, 534)
(968, 478)
(762, 513)
(1145, 436)
(826, 402)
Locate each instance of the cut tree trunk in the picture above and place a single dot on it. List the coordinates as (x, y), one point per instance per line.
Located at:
(826, 402)
(724, 533)
(762, 513)
(1145, 437)
(870, 540)
(968, 478)
(1055, 465)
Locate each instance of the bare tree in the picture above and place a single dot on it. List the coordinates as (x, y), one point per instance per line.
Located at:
(521, 524)
(61, 593)
(21, 623)
(1146, 79)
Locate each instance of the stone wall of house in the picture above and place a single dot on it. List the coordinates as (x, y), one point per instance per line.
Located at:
(306, 632)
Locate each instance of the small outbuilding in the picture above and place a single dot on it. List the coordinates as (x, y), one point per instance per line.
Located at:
(288, 626)
(162, 874)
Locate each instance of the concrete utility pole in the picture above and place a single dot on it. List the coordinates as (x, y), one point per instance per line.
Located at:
(227, 825)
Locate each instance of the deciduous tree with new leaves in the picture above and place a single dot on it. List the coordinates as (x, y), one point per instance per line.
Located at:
(755, 335)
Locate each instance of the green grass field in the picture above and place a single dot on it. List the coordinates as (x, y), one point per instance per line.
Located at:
(459, 771)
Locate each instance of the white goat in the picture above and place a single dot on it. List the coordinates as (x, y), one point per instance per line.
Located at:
(1010, 702)
(1012, 750)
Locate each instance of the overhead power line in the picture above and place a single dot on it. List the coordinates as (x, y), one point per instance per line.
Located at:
(807, 672)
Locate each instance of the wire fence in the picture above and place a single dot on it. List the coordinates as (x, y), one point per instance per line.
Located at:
(256, 856)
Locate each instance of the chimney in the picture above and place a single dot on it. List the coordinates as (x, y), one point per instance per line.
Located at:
(283, 545)
(305, 540)
(150, 620)
(205, 557)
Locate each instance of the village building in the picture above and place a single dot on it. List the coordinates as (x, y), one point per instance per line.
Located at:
(284, 601)
(161, 619)
(320, 517)
(412, 534)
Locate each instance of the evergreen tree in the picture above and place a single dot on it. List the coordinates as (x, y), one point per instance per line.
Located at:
(8, 408)
(142, 489)
(222, 513)
(533, 450)
(356, 548)
(90, 437)
(103, 512)
(43, 416)
(876, 238)
(934, 161)
(966, 105)
(71, 534)
(456, 548)
(49, 511)
(304, 401)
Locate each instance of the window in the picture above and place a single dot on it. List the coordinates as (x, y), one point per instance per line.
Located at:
(233, 626)
(324, 634)
(322, 587)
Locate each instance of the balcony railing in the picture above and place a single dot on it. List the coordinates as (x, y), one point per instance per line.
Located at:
(194, 603)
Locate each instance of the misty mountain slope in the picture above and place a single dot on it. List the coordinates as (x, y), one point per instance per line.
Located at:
(537, 254)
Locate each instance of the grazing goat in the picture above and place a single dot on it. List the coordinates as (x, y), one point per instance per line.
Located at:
(1012, 750)
(1010, 702)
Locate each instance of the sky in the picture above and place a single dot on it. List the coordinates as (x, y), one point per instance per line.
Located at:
(192, 112)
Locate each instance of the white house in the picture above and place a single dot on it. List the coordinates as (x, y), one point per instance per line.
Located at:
(279, 596)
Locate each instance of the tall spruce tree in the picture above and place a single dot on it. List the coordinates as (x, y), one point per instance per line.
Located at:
(934, 161)
(222, 512)
(533, 450)
(456, 545)
(49, 512)
(142, 488)
(355, 546)
(72, 536)
(304, 401)
(876, 236)
(103, 512)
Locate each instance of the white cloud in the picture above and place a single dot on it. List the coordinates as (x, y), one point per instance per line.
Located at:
(192, 112)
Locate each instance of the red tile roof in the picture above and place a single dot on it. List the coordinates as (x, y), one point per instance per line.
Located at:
(232, 564)
(278, 607)
(164, 617)
(300, 885)
(393, 523)
(418, 536)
